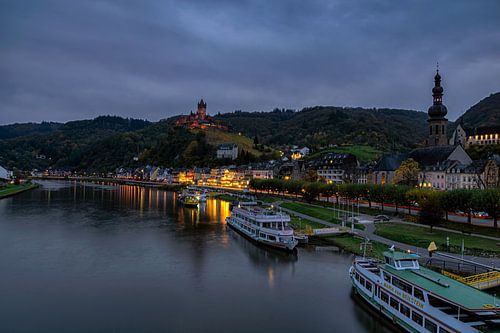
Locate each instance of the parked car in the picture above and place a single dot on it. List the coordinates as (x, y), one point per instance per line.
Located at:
(382, 218)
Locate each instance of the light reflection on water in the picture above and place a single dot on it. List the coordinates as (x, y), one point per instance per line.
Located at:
(85, 257)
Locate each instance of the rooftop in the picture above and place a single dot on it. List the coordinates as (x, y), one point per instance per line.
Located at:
(449, 289)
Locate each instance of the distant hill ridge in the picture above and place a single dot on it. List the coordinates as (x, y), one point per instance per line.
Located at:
(486, 113)
(107, 142)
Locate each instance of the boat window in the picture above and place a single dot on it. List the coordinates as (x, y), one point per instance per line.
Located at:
(368, 286)
(443, 330)
(387, 277)
(262, 235)
(272, 238)
(357, 276)
(402, 285)
(418, 294)
(384, 297)
(404, 310)
(430, 326)
(407, 263)
(417, 317)
(362, 280)
(394, 303)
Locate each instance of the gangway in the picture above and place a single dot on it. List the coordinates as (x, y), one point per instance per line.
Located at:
(479, 281)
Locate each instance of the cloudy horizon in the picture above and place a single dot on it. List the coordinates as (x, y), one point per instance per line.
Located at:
(62, 61)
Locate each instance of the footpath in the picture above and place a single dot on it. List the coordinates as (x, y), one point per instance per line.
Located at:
(369, 233)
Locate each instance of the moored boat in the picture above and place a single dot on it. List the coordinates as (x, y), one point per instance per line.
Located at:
(263, 226)
(190, 201)
(421, 300)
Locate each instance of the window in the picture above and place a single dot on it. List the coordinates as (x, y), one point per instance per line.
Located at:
(272, 238)
(430, 326)
(443, 330)
(401, 284)
(368, 286)
(384, 297)
(416, 317)
(362, 280)
(418, 294)
(357, 276)
(404, 310)
(394, 304)
(387, 277)
(430, 130)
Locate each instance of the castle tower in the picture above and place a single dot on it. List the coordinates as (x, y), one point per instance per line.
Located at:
(438, 124)
(202, 110)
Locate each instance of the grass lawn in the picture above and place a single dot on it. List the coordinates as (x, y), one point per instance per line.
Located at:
(216, 137)
(352, 244)
(419, 236)
(226, 197)
(362, 152)
(468, 228)
(266, 198)
(324, 214)
(11, 189)
(300, 224)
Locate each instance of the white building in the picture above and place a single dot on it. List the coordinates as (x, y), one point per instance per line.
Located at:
(5, 174)
(227, 150)
(262, 174)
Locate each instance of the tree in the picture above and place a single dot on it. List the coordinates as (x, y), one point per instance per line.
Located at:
(407, 173)
(431, 210)
(488, 200)
(463, 201)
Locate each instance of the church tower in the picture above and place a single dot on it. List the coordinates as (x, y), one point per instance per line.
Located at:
(202, 110)
(438, 123)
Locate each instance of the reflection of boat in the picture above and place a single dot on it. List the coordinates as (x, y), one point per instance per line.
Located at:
(419, 299)
(190, 201)
(263, 226)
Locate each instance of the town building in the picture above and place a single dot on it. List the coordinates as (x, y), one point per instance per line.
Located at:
(298, 153)
(384, 170)
(227, 151)
(336, 168)
(5, 174)
(482, 136)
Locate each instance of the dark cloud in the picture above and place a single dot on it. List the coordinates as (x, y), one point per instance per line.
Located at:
(63, 60)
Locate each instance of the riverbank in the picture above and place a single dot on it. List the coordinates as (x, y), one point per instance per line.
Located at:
(161, 186)
(13, 189)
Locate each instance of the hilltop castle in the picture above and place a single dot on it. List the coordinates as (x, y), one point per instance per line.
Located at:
(200, 119)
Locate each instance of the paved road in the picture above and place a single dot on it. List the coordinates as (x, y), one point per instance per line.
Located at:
(369, 233)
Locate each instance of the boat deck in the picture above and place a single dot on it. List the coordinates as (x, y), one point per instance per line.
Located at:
(447, 288)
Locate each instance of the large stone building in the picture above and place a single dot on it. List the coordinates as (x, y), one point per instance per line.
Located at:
(336, 168)
(200, 119)
(227, 151)
(482, 136)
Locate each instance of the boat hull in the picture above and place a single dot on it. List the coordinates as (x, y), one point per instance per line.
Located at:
(277, 246)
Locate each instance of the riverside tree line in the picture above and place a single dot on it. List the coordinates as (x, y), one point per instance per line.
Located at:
(433, 204)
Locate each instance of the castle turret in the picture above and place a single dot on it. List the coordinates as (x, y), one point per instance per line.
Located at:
(202, 110)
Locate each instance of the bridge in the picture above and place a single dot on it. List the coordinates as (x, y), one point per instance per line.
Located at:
(479, 281)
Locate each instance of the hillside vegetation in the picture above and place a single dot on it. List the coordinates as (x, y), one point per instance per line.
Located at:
(486, 113)
(382, 129)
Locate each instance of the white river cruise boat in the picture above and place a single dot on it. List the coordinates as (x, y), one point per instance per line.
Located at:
(263, 226)
(421, 300)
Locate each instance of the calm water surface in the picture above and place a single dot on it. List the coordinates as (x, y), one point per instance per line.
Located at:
(82, 257)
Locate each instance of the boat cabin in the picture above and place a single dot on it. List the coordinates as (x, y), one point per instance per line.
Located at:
(401, 260)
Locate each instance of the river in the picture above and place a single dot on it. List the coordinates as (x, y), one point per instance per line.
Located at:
(85, 257)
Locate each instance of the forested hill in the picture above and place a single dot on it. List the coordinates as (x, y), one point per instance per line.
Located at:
(322, 125)
(486, 113)
(28, 146)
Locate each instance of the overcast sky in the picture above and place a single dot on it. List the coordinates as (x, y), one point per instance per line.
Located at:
(64, 60)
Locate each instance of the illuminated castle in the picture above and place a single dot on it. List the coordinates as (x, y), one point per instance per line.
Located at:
(200, 119)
